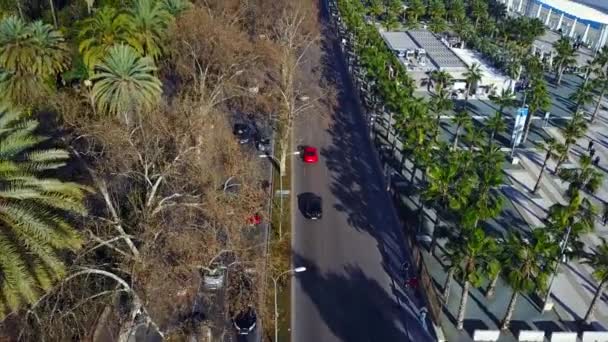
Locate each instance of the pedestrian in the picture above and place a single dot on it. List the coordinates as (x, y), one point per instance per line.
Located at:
(592, 152)
(596, 161)
(412, 283)
(590, 145)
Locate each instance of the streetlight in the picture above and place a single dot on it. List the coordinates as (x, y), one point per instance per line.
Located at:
(273, 158)
(276, 307)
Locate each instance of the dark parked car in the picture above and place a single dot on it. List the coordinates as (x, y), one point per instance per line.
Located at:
(311, 205)
(245, 321)
(244, 132)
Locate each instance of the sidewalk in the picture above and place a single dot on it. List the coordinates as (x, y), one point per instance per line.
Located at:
(574, 286)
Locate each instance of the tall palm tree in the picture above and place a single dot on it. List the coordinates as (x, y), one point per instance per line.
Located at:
(472, 76)
(582, 96)
(447, 188)
(586, 177)
(102, 31)
(462, 119)
(441, 79)
(600, 82)
(479, 10)
(124, 82)
(539, 99)
(37, 212)
(31, 55)
(415, 10)
(476, 249)
(506, 99)
(456, 11)
(574, 130)
(524, 271)
(440, 103)
(553, 150)
(150, 21)
(565, 57)
(495, 125)
(598, 260)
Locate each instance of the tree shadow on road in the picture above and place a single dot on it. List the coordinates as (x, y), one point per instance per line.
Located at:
(355, 307)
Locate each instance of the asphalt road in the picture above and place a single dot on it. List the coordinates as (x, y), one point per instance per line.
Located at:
(351, 290)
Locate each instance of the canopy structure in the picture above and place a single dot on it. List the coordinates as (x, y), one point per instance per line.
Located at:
(585, 14)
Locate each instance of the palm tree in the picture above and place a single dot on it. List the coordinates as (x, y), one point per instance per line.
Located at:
(479, 10)
(600, 82)
(524, 271)
(476, 249)
(506, 99)
(440, 78)
(176, 7)
(494, 125)
(582, 96)
(586, 177)
(415, 10)
(150, 21)
(124, 82)
(37, 212)
(574, 130)
(598, 260)
(462, 119)
(565, 57)
(456, 11)
(31, 55)
(539, 99)
(102, 31)
(553, 150)
(473, 75)
(454, 258)
(447, 188)
(440, 103)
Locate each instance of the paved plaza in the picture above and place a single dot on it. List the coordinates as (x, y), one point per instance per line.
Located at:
(574, 286)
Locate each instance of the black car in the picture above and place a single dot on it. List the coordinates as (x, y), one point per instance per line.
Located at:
(311, 205)
(245, 321)
(243, 132)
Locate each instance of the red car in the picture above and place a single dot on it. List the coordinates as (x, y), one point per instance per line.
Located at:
(254, 220)
(309, 155)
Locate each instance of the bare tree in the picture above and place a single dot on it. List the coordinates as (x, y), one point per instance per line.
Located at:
(294, 32)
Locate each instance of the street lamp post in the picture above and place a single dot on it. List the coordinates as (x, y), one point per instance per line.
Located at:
(280, 190)
(276, 305)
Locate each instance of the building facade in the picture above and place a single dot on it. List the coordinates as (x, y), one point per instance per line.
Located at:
(578, 21)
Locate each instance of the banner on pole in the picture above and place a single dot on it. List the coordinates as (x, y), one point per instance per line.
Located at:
(518, 127)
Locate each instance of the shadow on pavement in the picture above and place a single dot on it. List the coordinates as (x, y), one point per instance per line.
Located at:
(355, 307)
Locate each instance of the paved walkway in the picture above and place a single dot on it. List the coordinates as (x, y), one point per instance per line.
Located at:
(574, 287)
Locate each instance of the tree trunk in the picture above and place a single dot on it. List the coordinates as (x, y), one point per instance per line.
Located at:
(560, 73)
(507, 320)
(19, 9)
(446, 285)
(53, 12)
(598, 294)
(456, 135)
(599, 102)
(562, 159)
(284, 152)
(492, 287)
(542, 170)
(463, 304)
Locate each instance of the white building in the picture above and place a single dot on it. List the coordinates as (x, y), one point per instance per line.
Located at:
(422, 52)
(573, 19)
